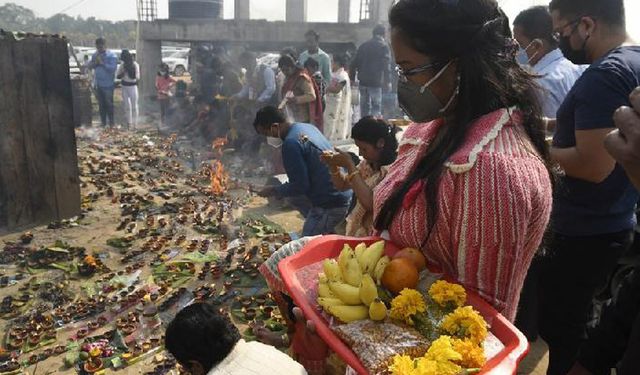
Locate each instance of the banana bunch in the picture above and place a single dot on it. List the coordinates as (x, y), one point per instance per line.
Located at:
(347, 289)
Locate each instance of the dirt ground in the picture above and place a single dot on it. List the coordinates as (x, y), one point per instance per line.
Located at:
(102, 216)
(121, 170)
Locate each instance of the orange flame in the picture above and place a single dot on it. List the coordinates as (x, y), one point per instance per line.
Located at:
(219, 178)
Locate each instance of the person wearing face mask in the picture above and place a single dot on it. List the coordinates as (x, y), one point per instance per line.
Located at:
(471, 186)
(539, 53)
(300, 93)
(164, 84)
(309, 188)
(593, 215)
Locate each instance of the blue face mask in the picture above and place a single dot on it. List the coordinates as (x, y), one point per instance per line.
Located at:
(521, 57)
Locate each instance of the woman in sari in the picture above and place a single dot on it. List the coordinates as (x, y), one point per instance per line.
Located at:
(302, 96)
(337, 116)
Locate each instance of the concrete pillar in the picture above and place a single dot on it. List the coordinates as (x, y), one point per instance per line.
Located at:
(380, 11)
(149, 57)
(296, 11)
(344, 11)
(242, 9)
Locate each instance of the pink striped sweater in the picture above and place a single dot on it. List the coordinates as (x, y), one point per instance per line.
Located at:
(494, 203)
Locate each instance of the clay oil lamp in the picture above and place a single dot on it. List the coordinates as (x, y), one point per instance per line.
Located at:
(82, 333)
(131, 298)
(227, 284)
(146, 346)
(17, 333)
(34, 339)
(47, 353)
(129, 329)
(93, 326)
(121, 323)
(66, 318)
(25, 297)
(93, 365)
(245, 302)
(50, 335)
(59, 349)
(250, 314)
(155, 342)
(127, 356)
(33, 359)
(267, 311)
(261, 299)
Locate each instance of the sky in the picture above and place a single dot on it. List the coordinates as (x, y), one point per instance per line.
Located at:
(319, 10)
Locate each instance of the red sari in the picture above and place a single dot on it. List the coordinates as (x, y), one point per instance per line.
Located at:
(315, 107)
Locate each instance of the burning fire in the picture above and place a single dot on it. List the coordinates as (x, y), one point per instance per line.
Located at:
(219, 178)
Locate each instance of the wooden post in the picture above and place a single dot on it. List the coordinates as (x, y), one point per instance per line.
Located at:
(38, 161)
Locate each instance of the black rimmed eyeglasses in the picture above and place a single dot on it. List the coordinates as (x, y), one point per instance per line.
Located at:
(404, 75)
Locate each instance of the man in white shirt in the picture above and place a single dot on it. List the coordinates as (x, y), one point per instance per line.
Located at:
(205, 342)
(260, 82)
(533, 30)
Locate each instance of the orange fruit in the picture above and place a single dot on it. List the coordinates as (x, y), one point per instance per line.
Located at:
(400, 274)
(415, 256)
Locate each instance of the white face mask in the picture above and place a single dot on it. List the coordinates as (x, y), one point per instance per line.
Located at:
(274, 142)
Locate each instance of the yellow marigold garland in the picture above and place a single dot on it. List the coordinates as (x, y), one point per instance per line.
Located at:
(465, 322)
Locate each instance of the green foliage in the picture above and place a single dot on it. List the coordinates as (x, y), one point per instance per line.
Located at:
(79, 31)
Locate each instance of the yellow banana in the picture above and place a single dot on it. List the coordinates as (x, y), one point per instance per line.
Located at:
(352, 274)
(368, 290)
(380, 267)
(372, 256)
(326, 303)
(331, 270)
(325, 291)
(346, 254)
(322, 278)
(359, 251)
(349, 314)
(350, 295)
(377, 310)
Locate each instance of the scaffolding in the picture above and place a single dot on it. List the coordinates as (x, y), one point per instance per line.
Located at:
(365, 10)
(147, 10)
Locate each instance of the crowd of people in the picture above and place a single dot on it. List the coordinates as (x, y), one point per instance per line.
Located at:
(518, 176)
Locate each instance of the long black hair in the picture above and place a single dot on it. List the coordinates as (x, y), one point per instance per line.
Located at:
(127, 59)
(476, 34)
(371, 130)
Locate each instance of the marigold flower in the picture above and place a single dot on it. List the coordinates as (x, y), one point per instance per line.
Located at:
(465, 322)
(409, 303)
(472, 354)
(402, 365)
(443, 293)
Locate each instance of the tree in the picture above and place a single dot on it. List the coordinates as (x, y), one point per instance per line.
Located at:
(79, 31)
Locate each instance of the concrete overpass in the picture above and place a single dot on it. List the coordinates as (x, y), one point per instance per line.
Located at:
(255, 34)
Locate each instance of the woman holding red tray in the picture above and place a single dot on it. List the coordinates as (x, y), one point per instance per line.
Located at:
(471, 185)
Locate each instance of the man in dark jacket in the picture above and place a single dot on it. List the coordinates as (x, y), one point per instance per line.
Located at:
(371, 66)
(615, 341)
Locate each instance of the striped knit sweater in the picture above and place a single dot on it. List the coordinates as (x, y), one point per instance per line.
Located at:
(494, 202)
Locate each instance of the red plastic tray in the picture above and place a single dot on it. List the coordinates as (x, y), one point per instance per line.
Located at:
(296, 268)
